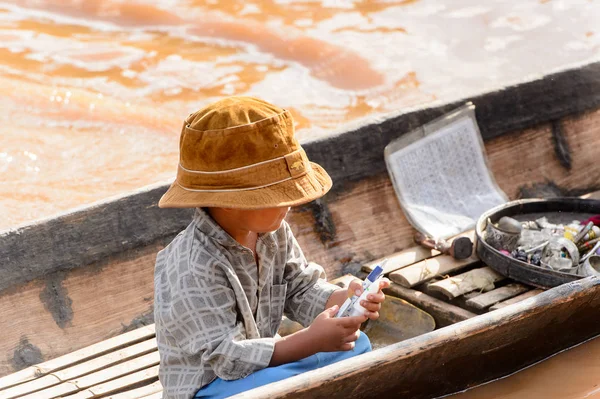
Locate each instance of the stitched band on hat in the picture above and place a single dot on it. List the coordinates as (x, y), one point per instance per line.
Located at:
(259, 175)
(223, 190)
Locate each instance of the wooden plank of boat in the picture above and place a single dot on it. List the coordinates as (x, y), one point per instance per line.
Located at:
(401, 259)
(105, 380)
(139, 392)
(141, 363)
(409, 256)
(95, 350)
(482, 279)
(19, 377)
(120, 341)
(517, 299)
(427, 269)
(157, 395)
(30, 386)
(57, 391)
(443, 313)
(434, 364)
(122, 383)
(51, 383)
(490, 298)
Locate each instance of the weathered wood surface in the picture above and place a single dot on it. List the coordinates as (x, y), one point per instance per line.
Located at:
(63, 382)
(92, 351)
(122, 362)
(489, 346)
(80, 308)
(517, 299)
(427, 269)
(86, 235)
(139, 392)
(482, 279)
(409, 256)
(490, 298)
(442, 312)
(91, 234)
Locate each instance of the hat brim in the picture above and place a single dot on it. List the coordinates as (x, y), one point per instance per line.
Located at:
(298, 191)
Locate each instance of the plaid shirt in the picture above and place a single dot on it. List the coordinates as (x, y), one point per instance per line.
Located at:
(216, 315)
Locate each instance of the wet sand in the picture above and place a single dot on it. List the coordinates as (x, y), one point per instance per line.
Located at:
(92, 94)
(573, 374)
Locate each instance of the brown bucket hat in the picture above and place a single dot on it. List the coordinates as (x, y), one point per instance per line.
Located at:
(240, 152)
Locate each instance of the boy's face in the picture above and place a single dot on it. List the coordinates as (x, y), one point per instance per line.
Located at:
(261, 220)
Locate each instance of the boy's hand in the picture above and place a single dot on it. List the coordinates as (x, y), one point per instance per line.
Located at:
(374, 301)
(331, 334)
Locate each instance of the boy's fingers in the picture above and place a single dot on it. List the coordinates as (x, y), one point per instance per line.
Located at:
(332, 311)
(371, 306)
(352, 337)
(348, 322)
(373, 315)
(376, 298)
(355, 288)
(384, 283)
(347, 347)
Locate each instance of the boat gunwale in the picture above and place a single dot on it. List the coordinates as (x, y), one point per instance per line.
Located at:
(377, 371)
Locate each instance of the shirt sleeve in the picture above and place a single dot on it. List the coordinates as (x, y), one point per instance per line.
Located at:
(307, 291)
(202, 320)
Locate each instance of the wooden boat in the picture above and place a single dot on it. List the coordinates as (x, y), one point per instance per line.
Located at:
(84, 278)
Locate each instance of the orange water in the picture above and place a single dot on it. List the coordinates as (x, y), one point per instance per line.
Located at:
(574, 374)
(92, 93)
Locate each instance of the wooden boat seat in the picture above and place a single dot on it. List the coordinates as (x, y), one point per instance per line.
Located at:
(126, 366)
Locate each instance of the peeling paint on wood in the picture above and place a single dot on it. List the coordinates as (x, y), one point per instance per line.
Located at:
(324, 224)
(561, 146)
(139, 321)
(56, 300)
(26, 355)
(550, 189)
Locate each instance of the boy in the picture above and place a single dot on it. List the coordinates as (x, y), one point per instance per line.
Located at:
(223, 284)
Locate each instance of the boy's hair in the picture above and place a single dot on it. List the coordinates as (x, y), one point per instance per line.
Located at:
(241, 152)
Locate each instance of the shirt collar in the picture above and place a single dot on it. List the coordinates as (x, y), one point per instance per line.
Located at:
(209, 227)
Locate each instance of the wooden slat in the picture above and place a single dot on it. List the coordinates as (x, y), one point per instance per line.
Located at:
(57, 391)
(401, 259)
(517, 299)
(410, 256)
(139, 392)
(101, 348)
(157, 395)
(104, 361)
(103, 303)
(69, 387)
(478, 279)
(19, 377)
(490, 298)
(343, 281)
(141, 363)
(592, 195)
(79, 369)
(29, 387)
(129, 380)
(443, 313)
(427, 269)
